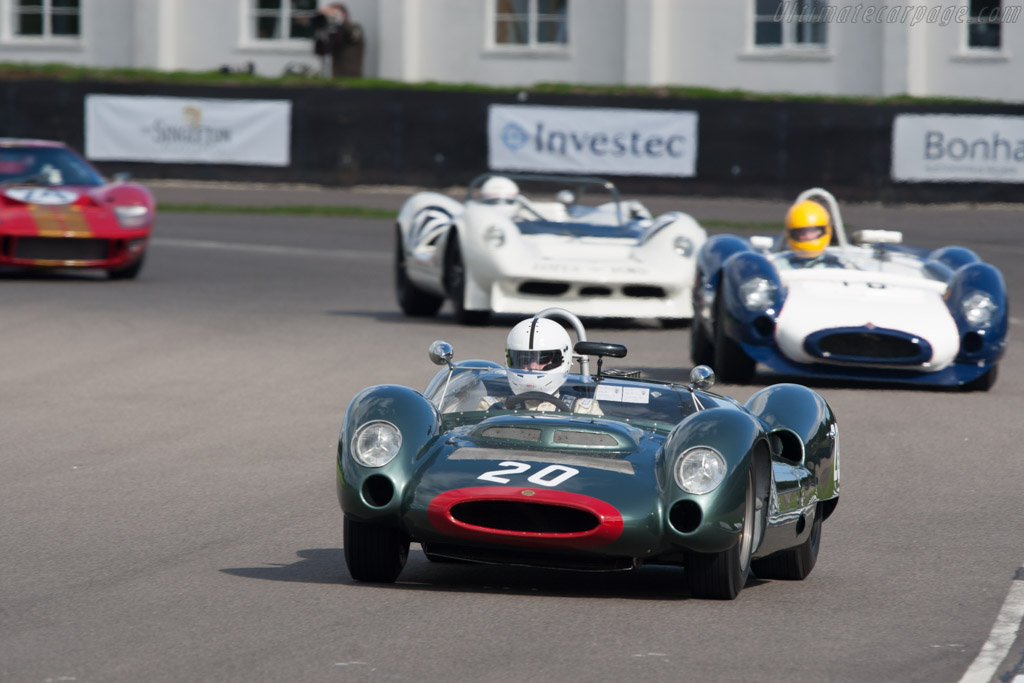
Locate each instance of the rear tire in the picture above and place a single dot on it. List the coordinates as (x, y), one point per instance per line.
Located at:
(731, 362)
(414, 302)
(374, 553)
(721, 576)
(455, 283)
(796, 563)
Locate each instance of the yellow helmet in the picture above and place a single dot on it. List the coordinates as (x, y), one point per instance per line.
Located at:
(808, 228)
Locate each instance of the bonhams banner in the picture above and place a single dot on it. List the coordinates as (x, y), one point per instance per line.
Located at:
(958, 148)
(187, 130)
(592, 140)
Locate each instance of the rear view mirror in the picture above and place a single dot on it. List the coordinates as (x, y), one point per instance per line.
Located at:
(441, 353)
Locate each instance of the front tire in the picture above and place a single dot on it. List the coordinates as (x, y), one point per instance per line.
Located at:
(374, 553)
(455, 283)
(702, 350)
(721, 576)
(796, 563)
(985, 382)
(414, 302)
(731, 362)
(129, 273)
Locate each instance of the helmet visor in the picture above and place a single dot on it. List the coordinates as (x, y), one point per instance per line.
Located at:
(535, 360)
(808, 234)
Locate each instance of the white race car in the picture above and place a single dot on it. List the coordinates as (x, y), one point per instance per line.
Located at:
(868, 308)
(501, 252)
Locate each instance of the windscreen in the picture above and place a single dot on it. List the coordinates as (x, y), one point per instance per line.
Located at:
(487, 392)
(45, 166)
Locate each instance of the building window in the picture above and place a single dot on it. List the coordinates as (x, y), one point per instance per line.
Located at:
(531, 23)
(984, 24)
(790, 23)
(283, 19)
(47, 18)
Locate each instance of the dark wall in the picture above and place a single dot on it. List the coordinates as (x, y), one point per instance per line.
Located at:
(438, 139)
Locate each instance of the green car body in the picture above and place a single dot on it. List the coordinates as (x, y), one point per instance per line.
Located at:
(590, 491)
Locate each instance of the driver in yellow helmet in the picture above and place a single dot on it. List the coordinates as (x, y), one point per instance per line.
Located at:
(808, 233)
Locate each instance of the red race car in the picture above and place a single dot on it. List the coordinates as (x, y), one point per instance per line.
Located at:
(57, 211)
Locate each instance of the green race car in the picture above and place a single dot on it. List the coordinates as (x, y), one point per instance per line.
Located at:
(651, 473)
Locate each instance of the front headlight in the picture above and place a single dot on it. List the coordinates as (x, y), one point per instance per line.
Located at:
(700, 470)
(683, 246)
(978, 309)
(376, 443)
(133, 216)
(494, 237)
(758, 293)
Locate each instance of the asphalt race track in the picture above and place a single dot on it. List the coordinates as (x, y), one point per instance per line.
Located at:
(167, 507)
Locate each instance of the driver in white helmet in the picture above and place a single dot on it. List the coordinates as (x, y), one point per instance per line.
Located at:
(538, 354)
(500, 192)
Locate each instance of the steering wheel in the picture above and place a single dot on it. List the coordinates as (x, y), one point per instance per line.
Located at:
(519, 401)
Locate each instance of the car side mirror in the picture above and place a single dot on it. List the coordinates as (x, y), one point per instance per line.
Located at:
(441, 353)
(566, 197)
(702, 377)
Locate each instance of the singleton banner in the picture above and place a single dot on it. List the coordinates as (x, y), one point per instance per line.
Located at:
(592, 140)
(188, 130)
(957, 148)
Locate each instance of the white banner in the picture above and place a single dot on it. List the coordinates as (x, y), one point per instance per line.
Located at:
(187, 130)
(592, 140)
(958, 148)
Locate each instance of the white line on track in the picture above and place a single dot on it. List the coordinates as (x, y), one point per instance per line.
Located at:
(279, 250)
(1002, 637)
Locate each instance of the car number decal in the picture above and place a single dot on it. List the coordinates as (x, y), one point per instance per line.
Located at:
(552, 475)
(41, 195)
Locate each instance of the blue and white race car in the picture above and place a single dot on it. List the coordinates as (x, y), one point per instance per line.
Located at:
(502, 252)
(866, 308)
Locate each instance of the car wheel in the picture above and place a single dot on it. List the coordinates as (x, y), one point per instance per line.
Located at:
(721, 576)
(731, 363)
(455, 283)
(129, 273)
(985, 382)
(414, 302)
(702, 351)
(373, 552)
(796, 563)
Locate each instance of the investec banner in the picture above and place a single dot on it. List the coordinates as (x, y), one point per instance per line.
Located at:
(187, 130)
(592, 140)
(958, 148)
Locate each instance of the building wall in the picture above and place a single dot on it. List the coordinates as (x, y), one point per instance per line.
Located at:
(451, 41)
(706, 43)
(951, 70)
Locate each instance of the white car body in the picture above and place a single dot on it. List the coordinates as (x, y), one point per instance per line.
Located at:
(890, 294)
(612, 260)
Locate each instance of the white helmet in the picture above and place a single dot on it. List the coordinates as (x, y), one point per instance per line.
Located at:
(498, 190)
(538, 354)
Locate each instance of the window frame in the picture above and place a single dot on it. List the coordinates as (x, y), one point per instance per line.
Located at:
(12, 10)
(790, 25)
(533, 20)
(982, 50)
(284, 14)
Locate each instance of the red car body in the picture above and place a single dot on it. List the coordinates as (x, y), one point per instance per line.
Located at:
(58, 211)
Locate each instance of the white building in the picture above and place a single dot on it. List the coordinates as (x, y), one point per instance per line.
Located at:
(939, 48)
